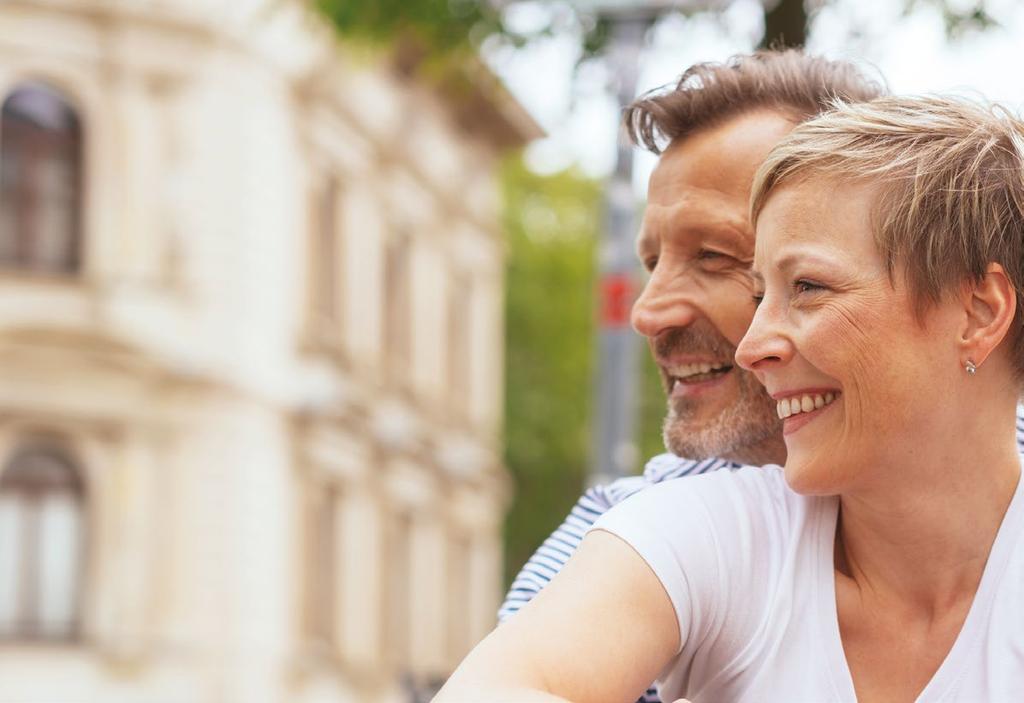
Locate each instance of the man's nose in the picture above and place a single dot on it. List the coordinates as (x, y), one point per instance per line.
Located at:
(764, 345)
(666, 301)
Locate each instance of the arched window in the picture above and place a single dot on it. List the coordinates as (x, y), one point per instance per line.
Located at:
(42, 531)
(40, 181)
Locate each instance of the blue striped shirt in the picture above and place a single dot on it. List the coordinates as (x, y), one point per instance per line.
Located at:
(552, 555)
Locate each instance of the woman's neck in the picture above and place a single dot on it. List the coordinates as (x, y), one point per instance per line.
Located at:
(921, 535)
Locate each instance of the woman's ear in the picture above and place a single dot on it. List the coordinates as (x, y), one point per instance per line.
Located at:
(990, 306)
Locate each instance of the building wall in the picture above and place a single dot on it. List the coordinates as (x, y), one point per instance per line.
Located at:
(287, 496)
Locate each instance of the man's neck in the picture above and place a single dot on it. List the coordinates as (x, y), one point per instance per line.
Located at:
(769, 451)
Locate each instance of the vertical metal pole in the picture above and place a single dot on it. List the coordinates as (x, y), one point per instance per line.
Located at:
(613, 444)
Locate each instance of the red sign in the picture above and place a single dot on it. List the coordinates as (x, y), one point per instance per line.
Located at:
(616, 299)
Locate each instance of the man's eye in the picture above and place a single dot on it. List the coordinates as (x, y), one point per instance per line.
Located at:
(649, 263)
(709, 255)
(758, 297)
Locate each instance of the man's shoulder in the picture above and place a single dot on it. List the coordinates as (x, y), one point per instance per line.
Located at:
(664, 467)
(659, 469)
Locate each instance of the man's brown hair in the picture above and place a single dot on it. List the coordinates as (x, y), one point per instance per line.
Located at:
(789, 81)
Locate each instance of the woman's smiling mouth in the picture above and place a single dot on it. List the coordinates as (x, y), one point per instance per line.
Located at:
(799, 409)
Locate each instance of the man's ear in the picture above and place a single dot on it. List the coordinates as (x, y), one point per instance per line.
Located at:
(990, 306)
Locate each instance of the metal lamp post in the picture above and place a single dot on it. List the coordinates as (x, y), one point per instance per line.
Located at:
(613, 445)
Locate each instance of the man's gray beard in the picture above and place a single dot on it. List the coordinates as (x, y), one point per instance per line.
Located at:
(748, 422)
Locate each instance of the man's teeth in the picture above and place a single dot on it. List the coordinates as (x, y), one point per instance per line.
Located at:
(684, 371)
(788, 407)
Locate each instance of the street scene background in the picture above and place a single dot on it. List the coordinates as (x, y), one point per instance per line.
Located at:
(306, 309)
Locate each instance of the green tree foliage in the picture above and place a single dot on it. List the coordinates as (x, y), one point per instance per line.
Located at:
(651, 409)
(440, 27)
(551, 224)
(443, 27)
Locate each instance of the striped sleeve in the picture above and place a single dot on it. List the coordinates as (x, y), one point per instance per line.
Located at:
(1020, 428)
(552, 555)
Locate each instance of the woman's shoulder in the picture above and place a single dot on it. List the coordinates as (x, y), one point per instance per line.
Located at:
(708, 538)
(722, 508)
(764, 486)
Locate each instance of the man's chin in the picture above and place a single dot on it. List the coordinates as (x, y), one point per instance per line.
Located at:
(723, 426)
(688, 439)
(701, 410)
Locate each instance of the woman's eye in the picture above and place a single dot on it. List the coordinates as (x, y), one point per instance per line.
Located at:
(805, 286)
(650, 263)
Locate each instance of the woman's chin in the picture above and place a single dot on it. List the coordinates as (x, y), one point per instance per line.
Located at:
(810, 478)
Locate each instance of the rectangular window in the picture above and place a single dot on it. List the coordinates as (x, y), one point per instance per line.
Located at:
(460, 307)
(459, 597)
(397, 302)
(12, 523)
(58, 565)
(322, 591)
(399, 602)
(325, 252)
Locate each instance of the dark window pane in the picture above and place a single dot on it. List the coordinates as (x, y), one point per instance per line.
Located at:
(40, 181)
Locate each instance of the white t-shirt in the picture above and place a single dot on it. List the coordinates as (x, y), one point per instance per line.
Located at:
(748, 565)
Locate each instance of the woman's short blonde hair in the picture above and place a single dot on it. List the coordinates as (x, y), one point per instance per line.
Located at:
(950, 177)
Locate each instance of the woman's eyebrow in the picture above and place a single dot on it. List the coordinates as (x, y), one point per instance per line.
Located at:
(788, 261)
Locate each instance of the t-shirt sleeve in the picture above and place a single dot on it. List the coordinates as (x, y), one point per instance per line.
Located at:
(696, 536)
(553, 554)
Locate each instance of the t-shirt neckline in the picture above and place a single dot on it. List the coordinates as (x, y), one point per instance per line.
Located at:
(951, 668)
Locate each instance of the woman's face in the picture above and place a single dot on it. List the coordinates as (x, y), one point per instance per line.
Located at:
(834, 340)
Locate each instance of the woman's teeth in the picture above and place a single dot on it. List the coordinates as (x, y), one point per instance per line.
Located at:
(788, 407)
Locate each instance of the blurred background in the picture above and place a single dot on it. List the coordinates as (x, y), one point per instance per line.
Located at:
(313, 315)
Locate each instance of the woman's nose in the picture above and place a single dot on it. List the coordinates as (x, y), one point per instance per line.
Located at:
(764, 343)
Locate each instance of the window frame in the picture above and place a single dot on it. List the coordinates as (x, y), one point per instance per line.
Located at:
(30, 494)
(28, 241)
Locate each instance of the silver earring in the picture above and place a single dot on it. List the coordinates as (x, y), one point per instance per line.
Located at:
(970, 368)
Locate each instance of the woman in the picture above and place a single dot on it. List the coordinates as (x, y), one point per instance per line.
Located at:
(883, 562)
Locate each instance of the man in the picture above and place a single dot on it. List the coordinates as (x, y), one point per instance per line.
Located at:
(696, 242)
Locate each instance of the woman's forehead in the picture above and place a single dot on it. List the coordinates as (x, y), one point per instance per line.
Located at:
(816, 214)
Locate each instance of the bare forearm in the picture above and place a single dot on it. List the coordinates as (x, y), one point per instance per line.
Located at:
(495, 672)
(557, 649)
(463, 693)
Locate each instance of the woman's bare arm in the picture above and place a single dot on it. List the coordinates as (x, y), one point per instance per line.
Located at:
(600, 632)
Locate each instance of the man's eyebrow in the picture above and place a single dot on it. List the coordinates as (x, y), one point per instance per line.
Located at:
(731, 230)
(723, 230)
(756, 275)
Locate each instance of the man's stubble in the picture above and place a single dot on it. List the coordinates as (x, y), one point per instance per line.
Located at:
(745, 431)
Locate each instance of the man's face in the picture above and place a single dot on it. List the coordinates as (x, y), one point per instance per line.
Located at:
(697, 244)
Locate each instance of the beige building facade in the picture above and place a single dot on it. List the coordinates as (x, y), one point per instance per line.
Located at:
(250, 357)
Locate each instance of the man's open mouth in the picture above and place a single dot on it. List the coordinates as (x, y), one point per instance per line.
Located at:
(696, 372)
